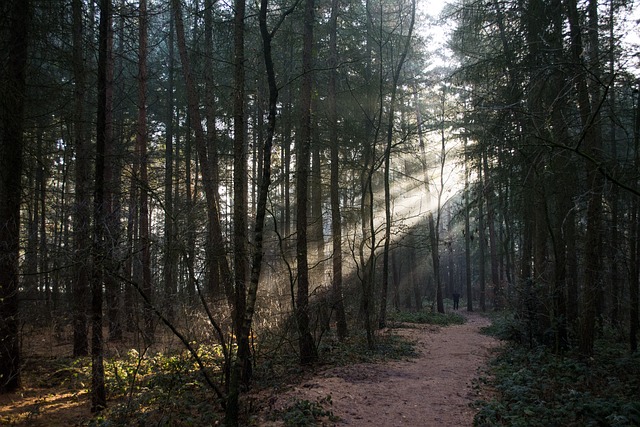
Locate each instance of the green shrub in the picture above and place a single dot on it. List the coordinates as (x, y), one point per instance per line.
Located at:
(304, 413)
(538, 388)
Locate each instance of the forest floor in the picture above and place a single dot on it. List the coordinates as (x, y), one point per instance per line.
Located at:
(437, 388)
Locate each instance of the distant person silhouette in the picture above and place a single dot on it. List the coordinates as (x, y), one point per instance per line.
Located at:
(456, 300)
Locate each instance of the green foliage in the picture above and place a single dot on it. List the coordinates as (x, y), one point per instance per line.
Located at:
(160, 389)
(538, 388)
(504, 326)
(61, 372)
(427, 317)
(304, 413)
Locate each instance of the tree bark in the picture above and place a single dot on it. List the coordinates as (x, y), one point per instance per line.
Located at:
(336, 218)
(214, 269)
(240, 189)
(634, 253)
(588, 105)
(208, 177)
(243, 354)
(141, 144)
(482, 242)
(82, 215)
(493, 245)
(12, 103)
(100, 253)
(308, 353)
(382, 320)
(169, 273)
(467, 232)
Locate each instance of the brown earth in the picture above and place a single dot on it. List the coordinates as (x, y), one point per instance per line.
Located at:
(435, 389)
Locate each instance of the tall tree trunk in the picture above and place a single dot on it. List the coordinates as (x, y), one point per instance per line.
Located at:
(562, 224)
(588, 105)
(30, 282)
(287, 131)
(482, 243)
(493, 245)
(240, 188)
(243, 353)
(170, 289)
(141, 143)
(213, 261)
(316, 219)
(371, 129)
(12, 102)
(634, 253)
(467, 232)
(308, 353)
(613, 252)
(131, 262)
(415, 284)
(208, 177)
(43, 256)
(433, 237)
(435, 234)
(382, 321)
(336, 218)
(100, 253)
(190, 253)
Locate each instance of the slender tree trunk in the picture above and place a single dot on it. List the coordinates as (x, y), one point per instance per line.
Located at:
(189, 202)
(493, 245)
(213, 262)
(240, 189)
(634, 253)
(131, 263)
(467, 232)
(482, 242)
(308, 353)
(12, 102)
(371, 128)
(243, 353)
(613, 253)
(30, 282)
(141, 143)
(103, 136)
(82, 217)
(43, 256)
(415, 284)
(382, 320)
(286, 156)
(588, 107)
(395, 271)
(435, 259)
(316, 219)
(433, 234)
(336, 218)
(208, 177)
(170, 290)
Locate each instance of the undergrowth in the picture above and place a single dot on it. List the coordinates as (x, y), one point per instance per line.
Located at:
(159, 389)
(168, 389)
(535, 387)
(305, 413)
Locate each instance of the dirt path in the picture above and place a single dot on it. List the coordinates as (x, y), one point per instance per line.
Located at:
(434, 389)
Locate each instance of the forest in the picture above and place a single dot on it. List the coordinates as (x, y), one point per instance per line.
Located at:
(221, 182)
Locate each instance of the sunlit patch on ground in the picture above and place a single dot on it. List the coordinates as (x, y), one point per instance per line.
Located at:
(44, 407)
